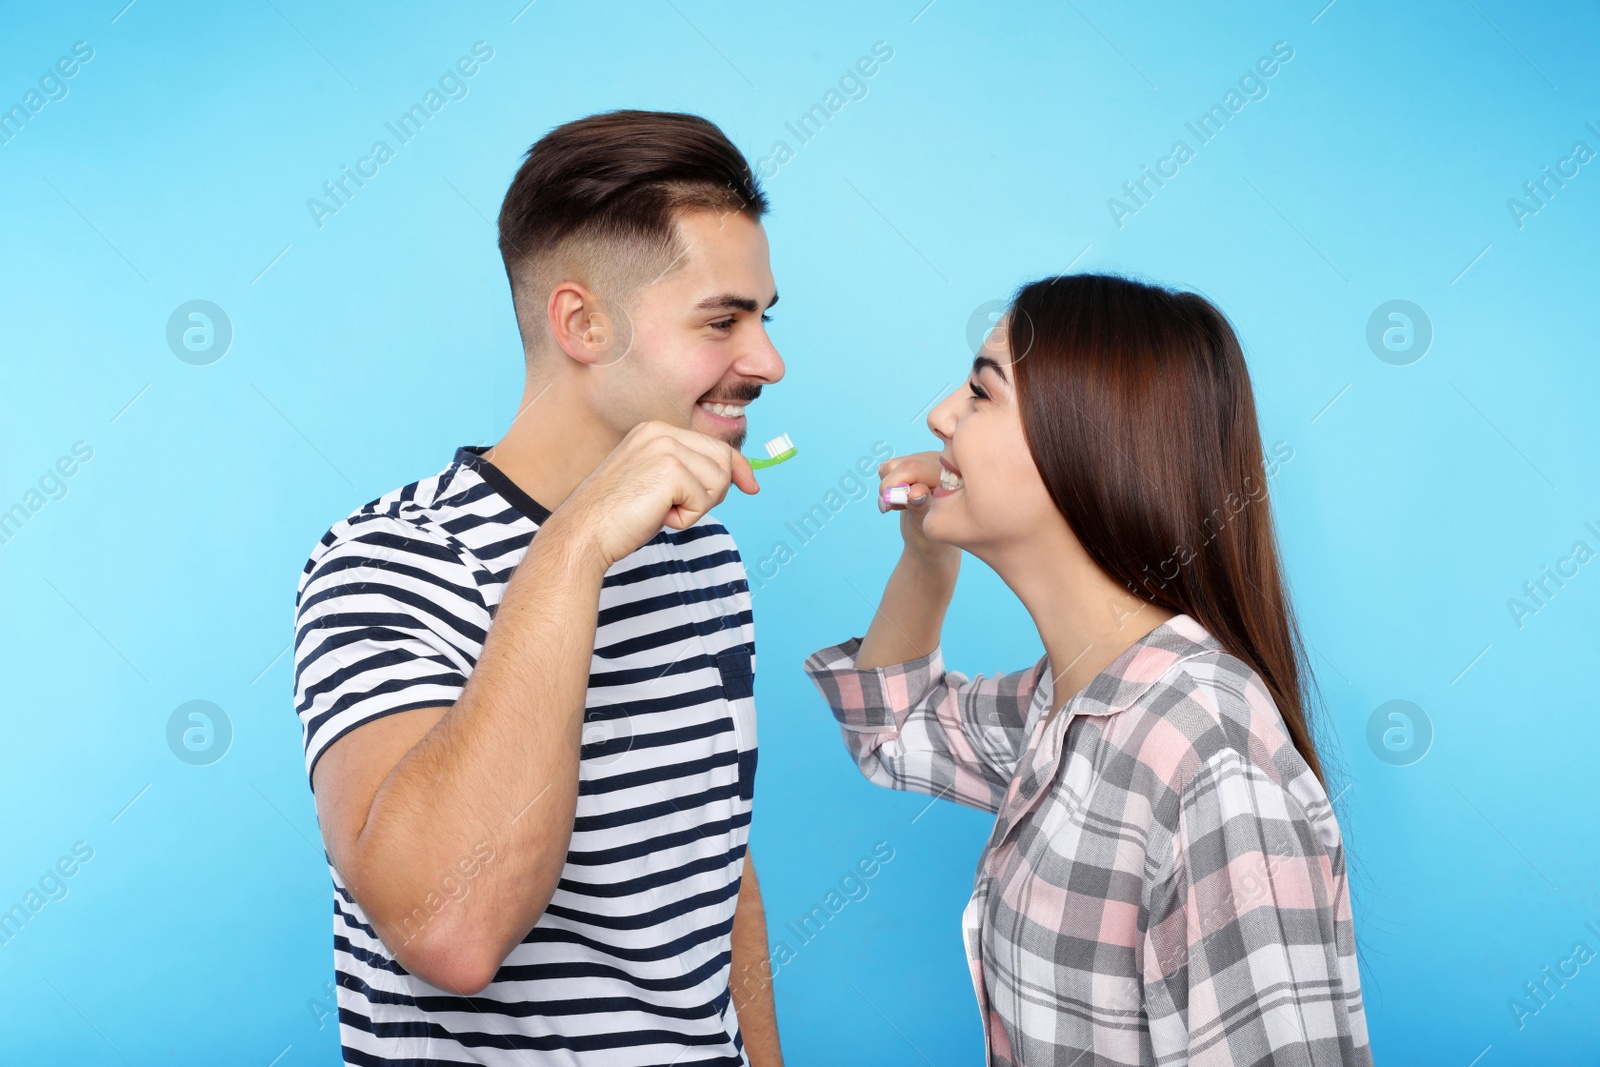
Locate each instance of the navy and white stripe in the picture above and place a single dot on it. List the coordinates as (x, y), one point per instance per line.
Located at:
(629, 963)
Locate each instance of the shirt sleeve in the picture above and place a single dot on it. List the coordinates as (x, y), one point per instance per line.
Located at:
(917, 727)
(387, 620)
(1249, 951)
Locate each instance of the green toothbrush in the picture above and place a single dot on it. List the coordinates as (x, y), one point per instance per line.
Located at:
(779, 449)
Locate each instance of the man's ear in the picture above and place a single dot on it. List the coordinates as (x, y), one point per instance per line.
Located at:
(581, 323)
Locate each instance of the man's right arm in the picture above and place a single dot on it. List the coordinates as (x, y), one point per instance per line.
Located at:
(411, 802)
(484, 792)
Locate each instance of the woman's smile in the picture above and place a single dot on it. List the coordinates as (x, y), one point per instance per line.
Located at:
(949, 479)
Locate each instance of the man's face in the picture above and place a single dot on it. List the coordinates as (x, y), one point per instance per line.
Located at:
(696, 347)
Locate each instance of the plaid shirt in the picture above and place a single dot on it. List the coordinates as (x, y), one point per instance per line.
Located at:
(1165, 883)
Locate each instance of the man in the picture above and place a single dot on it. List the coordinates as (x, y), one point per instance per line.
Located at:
(526, 681)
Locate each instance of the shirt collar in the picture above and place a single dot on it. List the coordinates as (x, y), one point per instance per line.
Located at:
(1138, 667)
(472, 456)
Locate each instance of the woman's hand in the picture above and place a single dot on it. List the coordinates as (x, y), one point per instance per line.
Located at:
(909, 619)
(919, 471)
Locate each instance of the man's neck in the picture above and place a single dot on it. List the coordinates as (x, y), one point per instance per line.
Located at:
(553, 443)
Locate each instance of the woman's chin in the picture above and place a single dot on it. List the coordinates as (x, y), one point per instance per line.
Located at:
(935, 528)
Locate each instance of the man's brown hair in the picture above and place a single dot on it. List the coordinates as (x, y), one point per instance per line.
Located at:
(596, 200)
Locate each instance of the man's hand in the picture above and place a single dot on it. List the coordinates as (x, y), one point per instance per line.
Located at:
(657, 475)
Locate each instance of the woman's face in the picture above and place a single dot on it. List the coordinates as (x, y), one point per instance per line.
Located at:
(992, 495)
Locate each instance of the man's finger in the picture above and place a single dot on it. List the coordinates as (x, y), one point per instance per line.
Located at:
(690, 501)
(744, 476)
(718, 450)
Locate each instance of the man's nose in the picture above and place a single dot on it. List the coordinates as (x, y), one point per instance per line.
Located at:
(762, 360)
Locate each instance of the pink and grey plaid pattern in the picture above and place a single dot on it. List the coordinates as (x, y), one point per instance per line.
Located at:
(1165, 883)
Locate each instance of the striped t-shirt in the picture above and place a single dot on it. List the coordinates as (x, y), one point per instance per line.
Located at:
(629, 963)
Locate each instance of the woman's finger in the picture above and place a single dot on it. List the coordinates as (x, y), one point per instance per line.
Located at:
(916, 495)
(902, 469)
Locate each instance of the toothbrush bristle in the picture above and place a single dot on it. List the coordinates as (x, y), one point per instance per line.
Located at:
(778, 444)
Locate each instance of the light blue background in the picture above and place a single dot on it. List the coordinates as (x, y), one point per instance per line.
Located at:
(1418, 500)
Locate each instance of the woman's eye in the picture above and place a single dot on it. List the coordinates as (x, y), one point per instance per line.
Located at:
(977, 394)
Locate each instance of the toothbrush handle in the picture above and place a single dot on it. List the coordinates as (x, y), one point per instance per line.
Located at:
(757, 463)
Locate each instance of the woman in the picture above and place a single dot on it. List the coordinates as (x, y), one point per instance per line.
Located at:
(1165, 882)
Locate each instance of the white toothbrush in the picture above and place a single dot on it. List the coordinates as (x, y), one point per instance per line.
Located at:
(779, 449)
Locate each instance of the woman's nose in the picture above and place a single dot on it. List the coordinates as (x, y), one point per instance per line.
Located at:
(941, 420)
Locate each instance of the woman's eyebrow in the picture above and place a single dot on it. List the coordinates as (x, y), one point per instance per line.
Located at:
(983, 361)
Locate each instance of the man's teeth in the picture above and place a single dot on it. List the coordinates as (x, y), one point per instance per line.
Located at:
(948, 479)
(727, 411)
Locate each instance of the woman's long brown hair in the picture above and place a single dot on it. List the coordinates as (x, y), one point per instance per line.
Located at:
(1137, 408)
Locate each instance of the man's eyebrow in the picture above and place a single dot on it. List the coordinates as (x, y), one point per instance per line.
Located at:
(732, 302)
(983, 361)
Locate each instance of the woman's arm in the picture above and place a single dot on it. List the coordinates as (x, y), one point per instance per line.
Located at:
(908, 722)
(917, 727)
(910, 618)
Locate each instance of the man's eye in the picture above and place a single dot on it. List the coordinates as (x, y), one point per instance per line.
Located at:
(724, 325)
(766, 318)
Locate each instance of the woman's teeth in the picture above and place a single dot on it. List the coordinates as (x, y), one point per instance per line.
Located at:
(948, 479)
(727, 411)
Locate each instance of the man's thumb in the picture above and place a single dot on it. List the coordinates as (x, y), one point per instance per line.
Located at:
(744, 476)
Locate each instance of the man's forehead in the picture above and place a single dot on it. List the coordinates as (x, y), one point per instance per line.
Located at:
(709, 221)
(719, 240)
(723, 262)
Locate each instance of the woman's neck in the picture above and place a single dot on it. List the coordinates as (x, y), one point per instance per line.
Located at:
(1084, 617)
